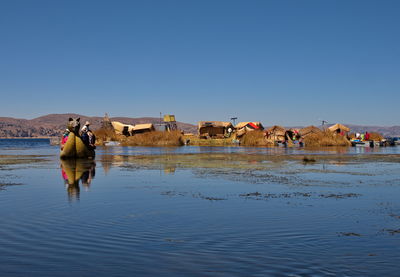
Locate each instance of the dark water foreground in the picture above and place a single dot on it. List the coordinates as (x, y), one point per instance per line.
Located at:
(194, 211)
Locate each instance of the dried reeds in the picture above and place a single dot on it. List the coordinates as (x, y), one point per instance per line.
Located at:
(156, 138)
(255, 138)
(197, 141)
(375, 137)
(326, 138)
(105, 134)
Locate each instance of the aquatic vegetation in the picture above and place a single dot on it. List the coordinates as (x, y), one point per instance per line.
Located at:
(156, 138)
(258, 195)
(4, 185)
(349, 234)
(7, 160)
(309, 160)
(340, 195)
(255, 138)
(325, 138)
(241, 161)
(392, 231)
(196, 141)
(106, 134)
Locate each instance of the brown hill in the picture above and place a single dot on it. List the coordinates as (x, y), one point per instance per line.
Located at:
(54, 124)
(383, 130)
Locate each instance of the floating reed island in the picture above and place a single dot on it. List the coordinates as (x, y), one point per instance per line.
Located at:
(221, 133)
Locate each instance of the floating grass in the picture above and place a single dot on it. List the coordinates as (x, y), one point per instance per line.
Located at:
(326, 138)
(156, 138)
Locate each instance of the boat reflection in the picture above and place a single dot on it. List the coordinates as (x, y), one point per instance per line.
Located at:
(76, 171)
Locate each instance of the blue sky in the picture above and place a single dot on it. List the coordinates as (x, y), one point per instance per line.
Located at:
(279, 62)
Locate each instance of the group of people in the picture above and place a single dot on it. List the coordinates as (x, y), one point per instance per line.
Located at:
(363, 136)
(86, 135)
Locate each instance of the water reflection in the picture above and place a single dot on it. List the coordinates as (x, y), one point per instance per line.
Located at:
(263, 213)
(77, 171)
(165, 163)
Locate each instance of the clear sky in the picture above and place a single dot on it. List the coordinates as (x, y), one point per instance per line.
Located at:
(279, 62)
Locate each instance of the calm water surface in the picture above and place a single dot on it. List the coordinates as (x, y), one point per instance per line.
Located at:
(199, 211)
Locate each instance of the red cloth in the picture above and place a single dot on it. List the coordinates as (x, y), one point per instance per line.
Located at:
(253, 125)
(64, 140)
(64, 175)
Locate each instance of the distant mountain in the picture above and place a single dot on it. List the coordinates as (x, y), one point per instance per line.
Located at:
(392, 131)
(54, 124)
(385, 131)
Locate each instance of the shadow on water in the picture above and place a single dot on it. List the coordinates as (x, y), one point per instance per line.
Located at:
(77, 172)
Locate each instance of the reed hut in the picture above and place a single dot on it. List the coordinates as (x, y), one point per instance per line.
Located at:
(309, 130)
(142, 128)
(121, 128)
(276, 133)
(214, 129)
(339, 129)
(243, 127)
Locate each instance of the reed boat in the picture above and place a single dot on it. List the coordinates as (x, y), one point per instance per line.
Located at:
(75, 148)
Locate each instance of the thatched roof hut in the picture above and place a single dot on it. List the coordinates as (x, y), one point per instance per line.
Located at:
(243, 127)
(339, 128)
(121, 128)
(216, 129)
(130, 130)
(309, 130)
(142, 128)
(276, 133)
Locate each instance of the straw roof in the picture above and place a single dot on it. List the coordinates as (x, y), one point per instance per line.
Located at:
(244, 124)
(119, 127)
(277, 130)
(224, 124)
(338, 126)
(145, 126)
(309, 130)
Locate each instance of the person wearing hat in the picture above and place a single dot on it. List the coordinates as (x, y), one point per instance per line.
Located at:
(88, 136)
(85, 128)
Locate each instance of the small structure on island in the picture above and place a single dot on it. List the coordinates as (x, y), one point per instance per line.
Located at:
(142, 128)
(339, 129)
(130, 130)
(106, 123)
(121, 128)
(215, 129)
(244, 127)
(304, 132)
(170, 122)
(276, 134)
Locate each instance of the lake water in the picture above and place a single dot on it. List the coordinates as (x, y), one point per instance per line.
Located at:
(199, 211)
